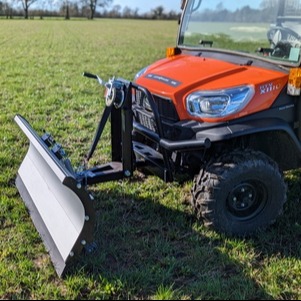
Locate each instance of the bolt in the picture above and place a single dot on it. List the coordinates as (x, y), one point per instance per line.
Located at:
(83, 242)
(79, 185)
(235, 199)
(87, 218)
(127, 173)
(250, 195)
(242, 190)
(91, 197)
(71, 254)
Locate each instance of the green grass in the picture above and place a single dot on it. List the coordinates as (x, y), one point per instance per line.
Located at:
(150, 244)
(224, 41)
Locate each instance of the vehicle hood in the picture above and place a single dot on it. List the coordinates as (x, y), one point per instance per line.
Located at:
(175, 78)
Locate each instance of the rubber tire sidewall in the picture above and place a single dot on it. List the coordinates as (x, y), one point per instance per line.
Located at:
(221, 178)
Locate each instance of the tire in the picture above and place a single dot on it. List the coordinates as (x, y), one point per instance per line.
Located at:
(240, 193)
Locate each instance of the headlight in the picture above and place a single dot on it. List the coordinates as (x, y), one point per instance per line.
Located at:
(140, 73)
(219, 103)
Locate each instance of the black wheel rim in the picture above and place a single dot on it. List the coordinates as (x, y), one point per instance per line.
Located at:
(247, 200)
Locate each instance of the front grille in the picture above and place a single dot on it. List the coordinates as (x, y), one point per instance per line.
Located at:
(166, 108)
(146, 119)
(144, 114)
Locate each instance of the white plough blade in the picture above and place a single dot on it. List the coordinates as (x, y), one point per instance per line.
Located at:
(60, 206)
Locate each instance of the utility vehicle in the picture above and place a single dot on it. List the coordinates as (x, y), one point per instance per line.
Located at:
(223, 107)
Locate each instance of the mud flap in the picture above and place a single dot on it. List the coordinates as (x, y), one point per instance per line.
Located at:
(59, 204)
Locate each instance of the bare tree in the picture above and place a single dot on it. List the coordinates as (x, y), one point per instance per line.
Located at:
(92, 4)
(66, 8)
(115, 12)
(158, 12)
(26, 4)
(6, 8)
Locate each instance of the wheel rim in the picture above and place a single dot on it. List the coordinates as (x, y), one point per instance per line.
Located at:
(247, 200)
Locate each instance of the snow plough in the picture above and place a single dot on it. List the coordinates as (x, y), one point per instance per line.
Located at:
(223, 107)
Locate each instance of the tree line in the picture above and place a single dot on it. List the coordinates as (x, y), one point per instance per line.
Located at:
(78, 8)
(266, 11)
(244, 14)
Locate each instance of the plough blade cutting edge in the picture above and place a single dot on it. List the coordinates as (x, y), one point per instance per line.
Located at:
(60, 206)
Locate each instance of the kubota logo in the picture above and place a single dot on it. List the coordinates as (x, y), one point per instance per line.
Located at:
(164, 79)
(270, 87)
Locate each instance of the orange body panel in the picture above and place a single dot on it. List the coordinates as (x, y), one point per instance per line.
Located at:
(177, 77)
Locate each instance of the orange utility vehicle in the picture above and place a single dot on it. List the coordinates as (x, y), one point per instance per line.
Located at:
(223, 107)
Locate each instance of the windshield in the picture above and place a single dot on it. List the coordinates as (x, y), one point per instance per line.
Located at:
(270, 29)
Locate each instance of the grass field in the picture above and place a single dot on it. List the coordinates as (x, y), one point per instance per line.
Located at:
(151, 245)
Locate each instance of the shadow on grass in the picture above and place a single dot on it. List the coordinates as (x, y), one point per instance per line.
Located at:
(145, 245)
(284, 237)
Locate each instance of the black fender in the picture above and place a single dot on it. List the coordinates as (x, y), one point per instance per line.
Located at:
(273, 136)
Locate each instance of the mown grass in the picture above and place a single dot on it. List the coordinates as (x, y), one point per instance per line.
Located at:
(150, 244)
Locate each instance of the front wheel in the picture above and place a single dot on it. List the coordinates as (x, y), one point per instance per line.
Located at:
(240, 193)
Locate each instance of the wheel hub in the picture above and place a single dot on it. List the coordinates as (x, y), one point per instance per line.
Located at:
(243, 196)
(247, 199)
